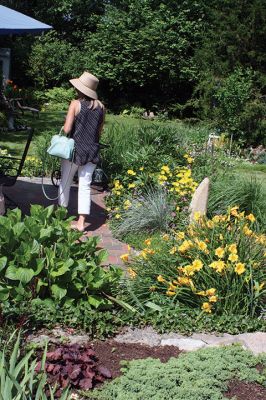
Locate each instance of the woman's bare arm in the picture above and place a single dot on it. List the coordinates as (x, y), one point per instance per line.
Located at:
(70, 117)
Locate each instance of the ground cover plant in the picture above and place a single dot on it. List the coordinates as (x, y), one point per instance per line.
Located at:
(43, 259)
(210, 370)
(72, 366)
(216, 266)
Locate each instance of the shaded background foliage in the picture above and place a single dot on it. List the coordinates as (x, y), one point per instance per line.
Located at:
(162, 55)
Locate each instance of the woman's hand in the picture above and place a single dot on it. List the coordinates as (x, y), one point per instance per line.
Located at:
(70, 118)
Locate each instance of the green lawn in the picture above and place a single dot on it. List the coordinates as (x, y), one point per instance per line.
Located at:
(14, 142)
(52, 121)
(255, 171)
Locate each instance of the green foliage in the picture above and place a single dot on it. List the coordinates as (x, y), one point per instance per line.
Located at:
(3, 119)
(56, 99)
(19, 381)
(210, 370)
(53, 61)
(174, 318)
(48, 163)
(232, 95)
(142, 45)
(42, 257)
(248, 194)
(82, 315)
(147, 140)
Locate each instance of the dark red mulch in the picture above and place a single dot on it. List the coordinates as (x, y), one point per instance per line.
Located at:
(245, 391)
(110, 353)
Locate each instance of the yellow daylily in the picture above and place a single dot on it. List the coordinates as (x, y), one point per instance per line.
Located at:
(206, 307)
(240, 268)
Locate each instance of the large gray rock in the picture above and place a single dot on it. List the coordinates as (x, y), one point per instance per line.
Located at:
(212, 340)
(186, 344)
(200, 199)
(255, 342)
(147, 336)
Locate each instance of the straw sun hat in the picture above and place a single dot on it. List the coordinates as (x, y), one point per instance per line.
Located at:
(86, 84)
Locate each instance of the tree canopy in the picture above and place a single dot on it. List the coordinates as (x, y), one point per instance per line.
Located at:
(159, 54)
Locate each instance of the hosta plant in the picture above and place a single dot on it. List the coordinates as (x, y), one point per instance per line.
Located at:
(42, 257)
(215, 265)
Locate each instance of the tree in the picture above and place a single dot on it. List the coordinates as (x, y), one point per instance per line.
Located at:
(145, 53)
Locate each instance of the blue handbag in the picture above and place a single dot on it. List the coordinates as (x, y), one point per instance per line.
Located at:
(62, 146)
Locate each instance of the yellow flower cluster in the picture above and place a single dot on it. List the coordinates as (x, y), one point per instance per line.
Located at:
(189, 270)
(127, 204)
(179, 180)
(189, 159)
(117, 187)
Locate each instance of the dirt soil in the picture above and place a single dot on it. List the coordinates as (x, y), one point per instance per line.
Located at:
(110, 353)
(245, 391)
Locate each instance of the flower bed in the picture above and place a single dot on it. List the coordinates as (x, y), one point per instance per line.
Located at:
(215, 265)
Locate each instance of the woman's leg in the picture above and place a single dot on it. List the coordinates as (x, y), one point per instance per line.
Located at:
(84, 193)
(68, 171)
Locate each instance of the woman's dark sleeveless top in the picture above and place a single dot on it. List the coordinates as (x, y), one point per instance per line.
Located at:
(86, 134)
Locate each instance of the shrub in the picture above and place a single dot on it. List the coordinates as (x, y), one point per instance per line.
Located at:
(42, 257)
(32, 167)
(56, 99)
(53, 60)
(215, 265)
(210, 370)
(240, 110)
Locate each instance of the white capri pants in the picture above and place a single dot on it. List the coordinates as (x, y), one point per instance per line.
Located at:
(85, 172)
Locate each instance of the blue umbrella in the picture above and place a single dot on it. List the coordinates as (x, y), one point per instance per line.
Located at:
(13, 22)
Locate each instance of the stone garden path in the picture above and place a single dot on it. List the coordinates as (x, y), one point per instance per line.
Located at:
(28, 191)
(98, 226)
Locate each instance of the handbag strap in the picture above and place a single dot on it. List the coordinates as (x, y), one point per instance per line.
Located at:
(57, 197)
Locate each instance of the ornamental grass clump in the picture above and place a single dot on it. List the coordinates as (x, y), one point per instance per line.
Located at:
(216, 265)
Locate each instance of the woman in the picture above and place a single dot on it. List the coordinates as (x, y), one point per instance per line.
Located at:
(84, 123)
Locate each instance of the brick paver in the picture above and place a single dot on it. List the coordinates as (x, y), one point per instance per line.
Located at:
(98, 226)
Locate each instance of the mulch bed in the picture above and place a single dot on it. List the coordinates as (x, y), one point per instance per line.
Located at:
(110, 353)
(245, 391)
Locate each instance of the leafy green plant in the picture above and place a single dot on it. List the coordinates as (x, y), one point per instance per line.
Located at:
(46, 313)
(42, 257)
(19, 379)
(210, 370)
